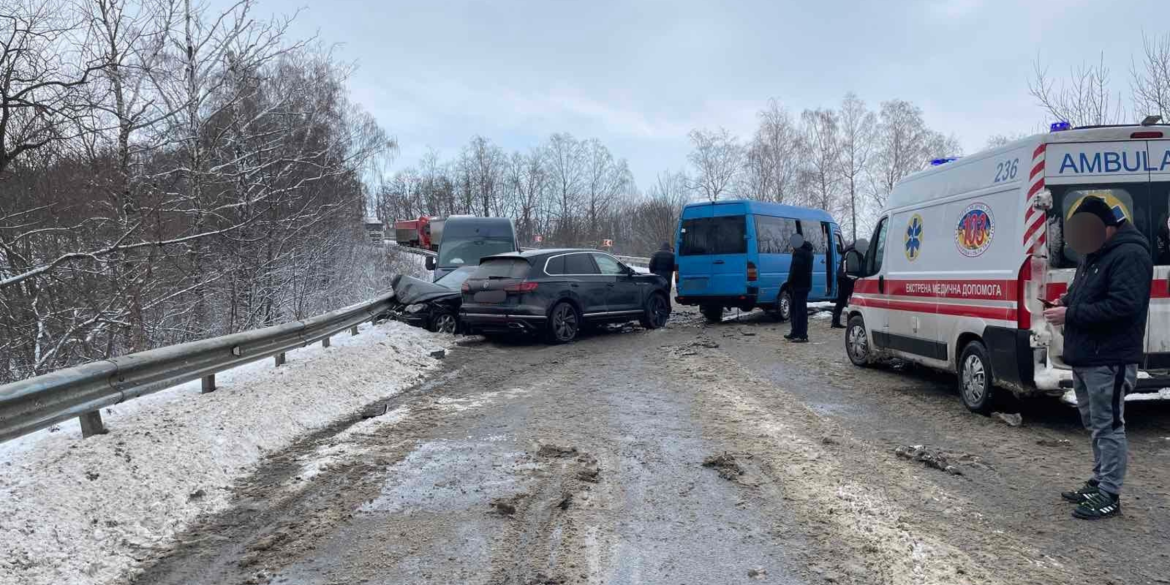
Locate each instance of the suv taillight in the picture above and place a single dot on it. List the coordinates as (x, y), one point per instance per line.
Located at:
(523, 287)
(753, 274)
(466, 287)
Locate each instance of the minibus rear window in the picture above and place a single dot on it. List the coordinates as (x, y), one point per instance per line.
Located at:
(713, 235)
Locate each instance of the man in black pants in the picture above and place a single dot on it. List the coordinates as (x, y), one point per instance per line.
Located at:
(662, 264)
(844, 291)
(799, 285)
(1104, 317)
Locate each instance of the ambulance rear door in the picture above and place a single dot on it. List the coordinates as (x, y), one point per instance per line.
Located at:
(1158, 328)
(1119, 173)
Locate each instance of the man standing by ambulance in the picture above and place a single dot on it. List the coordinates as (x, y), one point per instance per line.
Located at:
(1104, 318)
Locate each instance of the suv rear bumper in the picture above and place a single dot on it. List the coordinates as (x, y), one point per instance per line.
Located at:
(502, 321)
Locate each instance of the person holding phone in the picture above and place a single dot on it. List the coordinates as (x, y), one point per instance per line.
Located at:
(1104, 318)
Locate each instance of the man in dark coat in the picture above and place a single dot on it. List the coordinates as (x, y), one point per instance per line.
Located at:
(1104, 318)
(799, 285)
(662, 264)
(844, 291)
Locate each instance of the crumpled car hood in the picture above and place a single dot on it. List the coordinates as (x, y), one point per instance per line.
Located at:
(409, 290)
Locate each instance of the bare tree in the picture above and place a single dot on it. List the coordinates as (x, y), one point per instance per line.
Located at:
(1151, 78)
(822, 139)
(529, 179)
(564, 156)
(717, 158)
(903, 145)
(1084, 99)
(43, 71)
(858, 127)
(772, 160)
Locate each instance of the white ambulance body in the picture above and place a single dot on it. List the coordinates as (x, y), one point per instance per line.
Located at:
(964, 251)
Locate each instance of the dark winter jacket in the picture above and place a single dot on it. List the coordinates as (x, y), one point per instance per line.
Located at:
(1108, 302)
(662, 264)
(800, 274)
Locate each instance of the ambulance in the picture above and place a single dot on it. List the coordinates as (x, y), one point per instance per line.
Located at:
(967, 251)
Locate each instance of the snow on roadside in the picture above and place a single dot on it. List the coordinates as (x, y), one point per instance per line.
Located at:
(86, 512)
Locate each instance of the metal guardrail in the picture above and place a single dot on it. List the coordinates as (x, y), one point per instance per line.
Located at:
(409, 250)
(634, 260)
(82, 391)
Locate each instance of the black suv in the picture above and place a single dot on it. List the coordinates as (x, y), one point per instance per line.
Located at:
(555, 292)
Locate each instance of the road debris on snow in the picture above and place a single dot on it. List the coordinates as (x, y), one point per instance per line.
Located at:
(1054, 442)
(554, 451)
(928, 457)
(725, 464)
(1011, 419)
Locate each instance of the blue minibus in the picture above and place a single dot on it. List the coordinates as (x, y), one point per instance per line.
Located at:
(736, 254)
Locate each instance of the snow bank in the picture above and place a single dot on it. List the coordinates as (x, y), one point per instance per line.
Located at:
(85, 512)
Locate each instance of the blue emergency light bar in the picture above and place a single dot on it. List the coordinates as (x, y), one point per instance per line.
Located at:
(942, 161)
(1059, 126)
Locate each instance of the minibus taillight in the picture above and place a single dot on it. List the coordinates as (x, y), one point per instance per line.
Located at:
(753, 274)
(1146, 135)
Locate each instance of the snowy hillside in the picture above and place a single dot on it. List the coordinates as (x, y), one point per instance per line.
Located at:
(84, 512)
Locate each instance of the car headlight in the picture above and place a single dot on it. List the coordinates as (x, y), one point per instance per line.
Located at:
(416, 308)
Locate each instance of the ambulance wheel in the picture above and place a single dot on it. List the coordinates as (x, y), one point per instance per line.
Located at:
(976, 385)
(712, 313)
(857, 342)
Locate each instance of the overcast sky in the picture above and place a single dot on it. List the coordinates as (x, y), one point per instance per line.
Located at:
(640, 75)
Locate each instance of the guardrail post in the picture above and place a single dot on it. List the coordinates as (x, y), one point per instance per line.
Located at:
(353, 330)
(209, 384)
(91, 424)
(279, 359)
(325, 342)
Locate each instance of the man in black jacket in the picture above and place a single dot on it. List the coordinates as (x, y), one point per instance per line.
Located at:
(1104, 318)
(799, 285)
(662, 264)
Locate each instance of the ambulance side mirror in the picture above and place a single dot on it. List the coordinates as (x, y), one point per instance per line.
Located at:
(854, 263)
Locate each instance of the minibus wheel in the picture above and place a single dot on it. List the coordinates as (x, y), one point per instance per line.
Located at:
(857, 342)
(976, 385)
(712, 313)
(783, 310)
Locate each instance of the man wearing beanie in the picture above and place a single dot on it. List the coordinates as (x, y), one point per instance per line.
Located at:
(1104, 319)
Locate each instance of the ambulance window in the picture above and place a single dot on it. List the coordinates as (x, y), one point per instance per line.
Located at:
(1119, 198)
(1160, 212)
(877, 251)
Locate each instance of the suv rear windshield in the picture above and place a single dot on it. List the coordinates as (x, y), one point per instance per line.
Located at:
(713, 235)
(503, 268)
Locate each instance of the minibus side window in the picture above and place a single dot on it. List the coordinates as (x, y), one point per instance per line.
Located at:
(774, 234)
(814, 234)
